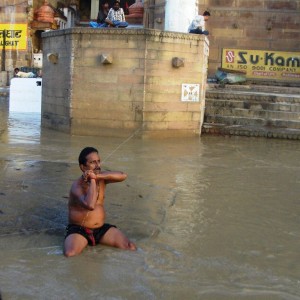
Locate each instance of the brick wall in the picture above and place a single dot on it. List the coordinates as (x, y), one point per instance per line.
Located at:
(139, 90)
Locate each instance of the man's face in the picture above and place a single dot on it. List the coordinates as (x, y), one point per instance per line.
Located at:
(116, 6)
(93, 163)
(206, 18)
(105, 6)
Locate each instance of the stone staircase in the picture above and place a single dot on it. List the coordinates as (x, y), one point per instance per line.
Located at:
(260, 111)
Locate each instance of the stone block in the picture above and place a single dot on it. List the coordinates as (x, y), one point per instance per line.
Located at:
(280, 5)
(258, 4)
(156, 125)
(256, 34)
(165, 106)
(222, 3)
(280, 46)
(167, 116)
(225, 32)
(103, 115)
(248, 43)
(183, 125)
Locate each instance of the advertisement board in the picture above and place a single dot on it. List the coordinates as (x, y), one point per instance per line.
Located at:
(13, 36)
(263, 64)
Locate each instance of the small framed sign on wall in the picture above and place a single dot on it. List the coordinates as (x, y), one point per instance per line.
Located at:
(190, 92)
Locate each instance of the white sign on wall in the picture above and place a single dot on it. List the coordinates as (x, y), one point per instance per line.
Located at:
(190, 92)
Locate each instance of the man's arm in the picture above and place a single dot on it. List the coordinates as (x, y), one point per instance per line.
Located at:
(123, 15)
(101, 17)
(111, 176)
(88, 199)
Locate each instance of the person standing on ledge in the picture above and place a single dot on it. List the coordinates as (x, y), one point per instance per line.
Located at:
(198, 24)
(116, 16)
(86, 208)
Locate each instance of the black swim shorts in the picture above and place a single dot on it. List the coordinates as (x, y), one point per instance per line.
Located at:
(93, 236)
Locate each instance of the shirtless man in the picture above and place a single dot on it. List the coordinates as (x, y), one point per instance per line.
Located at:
(86, 208)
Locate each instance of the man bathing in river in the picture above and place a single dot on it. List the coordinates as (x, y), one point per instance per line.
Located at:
(86, 208)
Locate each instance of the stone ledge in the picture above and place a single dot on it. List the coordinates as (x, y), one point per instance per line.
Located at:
(127, 31)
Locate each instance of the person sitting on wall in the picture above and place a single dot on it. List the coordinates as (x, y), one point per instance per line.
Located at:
(102, 15)
(20, 74)
(198, 24)
(116, 16)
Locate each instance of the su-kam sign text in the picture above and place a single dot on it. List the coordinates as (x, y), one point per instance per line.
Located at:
(263, 64)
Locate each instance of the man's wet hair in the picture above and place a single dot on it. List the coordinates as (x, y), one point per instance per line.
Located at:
(84, 153)
(206, 13)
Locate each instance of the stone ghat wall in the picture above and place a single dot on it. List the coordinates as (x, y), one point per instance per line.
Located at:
(113, 82)
(251, 24)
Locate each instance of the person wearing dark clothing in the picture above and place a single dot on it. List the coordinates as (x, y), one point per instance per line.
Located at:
(103, 12)
(102, 15)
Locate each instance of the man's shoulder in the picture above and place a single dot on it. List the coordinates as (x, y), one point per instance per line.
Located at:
(77, 183)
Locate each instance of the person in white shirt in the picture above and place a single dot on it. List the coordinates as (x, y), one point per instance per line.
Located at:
(198, 24)
(20, 74)
(116, 16)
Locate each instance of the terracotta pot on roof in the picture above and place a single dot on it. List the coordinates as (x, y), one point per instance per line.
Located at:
(136, 9)
(45, 13)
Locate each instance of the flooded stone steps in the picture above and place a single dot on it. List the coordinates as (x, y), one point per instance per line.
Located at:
(253, 111)
(244, 121)
(252, 105)
(251, 131)
(252, 96)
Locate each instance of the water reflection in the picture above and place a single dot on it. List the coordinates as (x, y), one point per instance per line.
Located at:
(214, 217)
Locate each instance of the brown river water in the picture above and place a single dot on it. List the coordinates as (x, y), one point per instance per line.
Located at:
(213, 217)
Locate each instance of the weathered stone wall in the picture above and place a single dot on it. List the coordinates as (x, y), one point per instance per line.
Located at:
(13, 11)
(18, 12)
(139, 90)
(251, 24)
(154, 14)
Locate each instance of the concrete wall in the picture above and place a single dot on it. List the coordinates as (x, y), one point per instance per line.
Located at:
(251, 24)
(140, 89)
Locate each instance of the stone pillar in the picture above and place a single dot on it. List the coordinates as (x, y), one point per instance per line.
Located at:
(113, 82)
(179, 14)
(94, 9)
